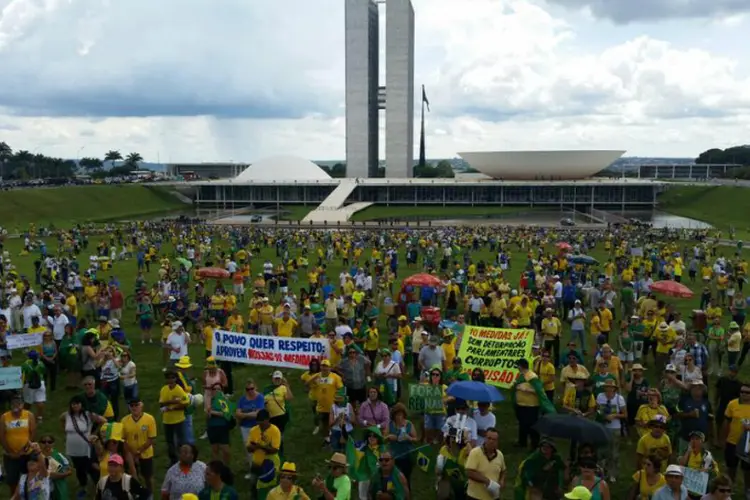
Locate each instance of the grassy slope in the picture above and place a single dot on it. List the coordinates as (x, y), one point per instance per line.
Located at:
(381, 212)
(721, 206)
(67, 205)
(305, 449)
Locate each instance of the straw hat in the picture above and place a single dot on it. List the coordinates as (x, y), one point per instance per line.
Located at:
(289, 468)
(338, 460)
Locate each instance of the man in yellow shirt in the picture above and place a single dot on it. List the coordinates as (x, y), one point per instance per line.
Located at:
(265, 325)
(486, 468)
(235, 322)
(139, 433)
(605, 320)
(328, 384)
(285, 326)
(736, 415)
(173, 400)
(263, 440)
(551, 330)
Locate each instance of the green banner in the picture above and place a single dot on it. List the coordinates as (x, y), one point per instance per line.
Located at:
(425, 398)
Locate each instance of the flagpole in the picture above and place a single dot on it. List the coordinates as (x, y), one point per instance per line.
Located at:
(422, 159)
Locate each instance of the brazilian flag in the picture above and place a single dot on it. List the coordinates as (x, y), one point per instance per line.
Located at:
(423, 462)
(363, 459)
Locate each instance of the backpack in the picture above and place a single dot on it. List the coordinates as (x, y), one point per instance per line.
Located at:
(34, 380)
(125, 485)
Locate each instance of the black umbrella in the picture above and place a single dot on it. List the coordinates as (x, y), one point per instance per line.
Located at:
(572, 427)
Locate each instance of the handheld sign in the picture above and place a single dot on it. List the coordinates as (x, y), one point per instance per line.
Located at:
(495, 351)
(425, 398)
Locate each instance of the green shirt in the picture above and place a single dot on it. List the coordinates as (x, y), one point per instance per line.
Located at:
(636, 331)
(599, 381)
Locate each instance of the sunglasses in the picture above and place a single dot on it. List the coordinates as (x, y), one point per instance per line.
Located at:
(435, 374)
(47, 441)
(249, 388)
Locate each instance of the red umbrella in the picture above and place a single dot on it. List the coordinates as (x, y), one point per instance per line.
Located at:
(213, 272)
(422, 279)
(672, 288)
(564, 245)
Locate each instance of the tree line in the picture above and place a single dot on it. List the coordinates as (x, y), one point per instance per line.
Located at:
(441, 169)
(21, 165)
(737, 155)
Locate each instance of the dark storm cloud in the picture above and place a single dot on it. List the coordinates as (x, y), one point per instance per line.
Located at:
(627, 11)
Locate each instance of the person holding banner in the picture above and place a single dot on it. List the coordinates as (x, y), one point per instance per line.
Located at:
(528, 397)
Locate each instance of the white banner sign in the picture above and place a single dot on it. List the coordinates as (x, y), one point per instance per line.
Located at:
(282, 352)
(23, 340)
(695, 481)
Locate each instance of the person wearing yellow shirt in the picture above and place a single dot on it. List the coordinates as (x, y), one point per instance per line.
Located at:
(449, 346)
(649, 411)
(139, 435)
(285, 326)
(17, 430)
(551, 330)
(547, 374)
(173, 400)
(578, 398)
(287, 489)
(605, 320)
(735, 417)
(336, 348)
(372, 341)
(208, 335)
(276, 400)
(72, 304)
(696, 457)
(235, 321)
(654, 443)
(523, 313)
(265, 326)
(665, 338)
(328, 384)
(264, 440)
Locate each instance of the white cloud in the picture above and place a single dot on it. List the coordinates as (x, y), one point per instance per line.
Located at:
(253, 79)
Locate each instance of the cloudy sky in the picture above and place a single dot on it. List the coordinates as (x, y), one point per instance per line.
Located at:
(220, 80)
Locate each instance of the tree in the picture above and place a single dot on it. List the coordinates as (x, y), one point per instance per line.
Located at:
(739, 155)
(442, 170)
(112, 156)
(90, 164)
(338, 171)
(5, 154)
(132, 161)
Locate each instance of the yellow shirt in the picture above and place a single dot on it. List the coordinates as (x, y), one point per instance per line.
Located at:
(335, 357)
(695, 461)
(737, 412)
(547, 374)
(372, 340)
(661, 447)
(525, 393)
(296, 493)
(208, 333)
(605, 316)
(665, 340)
(237, 322)
(327, 387)
(449, 351)
(270, 438)
(312, 388)
(72, 304)
(479, 462)
(646, 414)
(569, 399)
(166, 396)
(136, 433)
(276, 401)
(648, 490)
(551, 328)
(17, 430)
(285, 328)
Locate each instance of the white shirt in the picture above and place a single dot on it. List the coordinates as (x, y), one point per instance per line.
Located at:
(58, 324)
(678, 326)
(175, 341)
(469, 425)
(484, 422)
(392, 369)
(126, 372)
(558, 289)
(611, 407)
(30, 312)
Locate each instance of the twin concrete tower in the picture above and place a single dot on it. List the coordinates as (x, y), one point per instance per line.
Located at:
(364, 95)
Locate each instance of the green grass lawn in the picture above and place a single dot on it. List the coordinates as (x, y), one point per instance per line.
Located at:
(723, 207)
(66, 206)
(301, 446)
(376, 212)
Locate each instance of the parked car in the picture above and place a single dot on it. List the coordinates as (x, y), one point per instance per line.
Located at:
(567, 221)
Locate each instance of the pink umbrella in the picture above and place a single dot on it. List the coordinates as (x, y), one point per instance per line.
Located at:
(213, 272)
(564, 245)
(672, 289)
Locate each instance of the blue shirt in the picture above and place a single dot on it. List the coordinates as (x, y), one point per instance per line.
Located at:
(688, 425)
(246, 405)
(665, 493)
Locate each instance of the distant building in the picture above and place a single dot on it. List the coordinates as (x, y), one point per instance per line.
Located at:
(206, 170)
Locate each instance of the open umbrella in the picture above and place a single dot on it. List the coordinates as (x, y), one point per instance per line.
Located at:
(475, 391)
(188, 265)
(422, 279)
(579, 429)
(213, 272)
(564, 245)
(672, 288)
(583, 259)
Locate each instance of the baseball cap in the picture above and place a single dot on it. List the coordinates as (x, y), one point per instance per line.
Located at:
(277, 374)
(116, 459)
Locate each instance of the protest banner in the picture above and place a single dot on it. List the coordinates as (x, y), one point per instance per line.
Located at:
(281, 352)
(495, 351)
(23, 340)
(10, 378)
(695, 481)
(425, 397)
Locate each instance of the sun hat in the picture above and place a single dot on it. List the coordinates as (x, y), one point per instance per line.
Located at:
(289, 468)
(734, 326)
(184, 362)
(338, 460)
(579, 493)
(674, 470)
(637, 366)
(610, 383)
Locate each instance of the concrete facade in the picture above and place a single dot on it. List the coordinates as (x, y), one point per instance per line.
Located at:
(362, 67)
(399, 78)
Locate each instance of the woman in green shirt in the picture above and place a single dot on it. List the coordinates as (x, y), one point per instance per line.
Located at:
(217, 477)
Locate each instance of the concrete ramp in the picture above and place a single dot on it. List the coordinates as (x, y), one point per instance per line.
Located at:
(342, 214)
(334, 202)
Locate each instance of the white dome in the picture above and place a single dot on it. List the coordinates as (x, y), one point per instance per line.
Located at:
(538, 165)
(283, 168)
